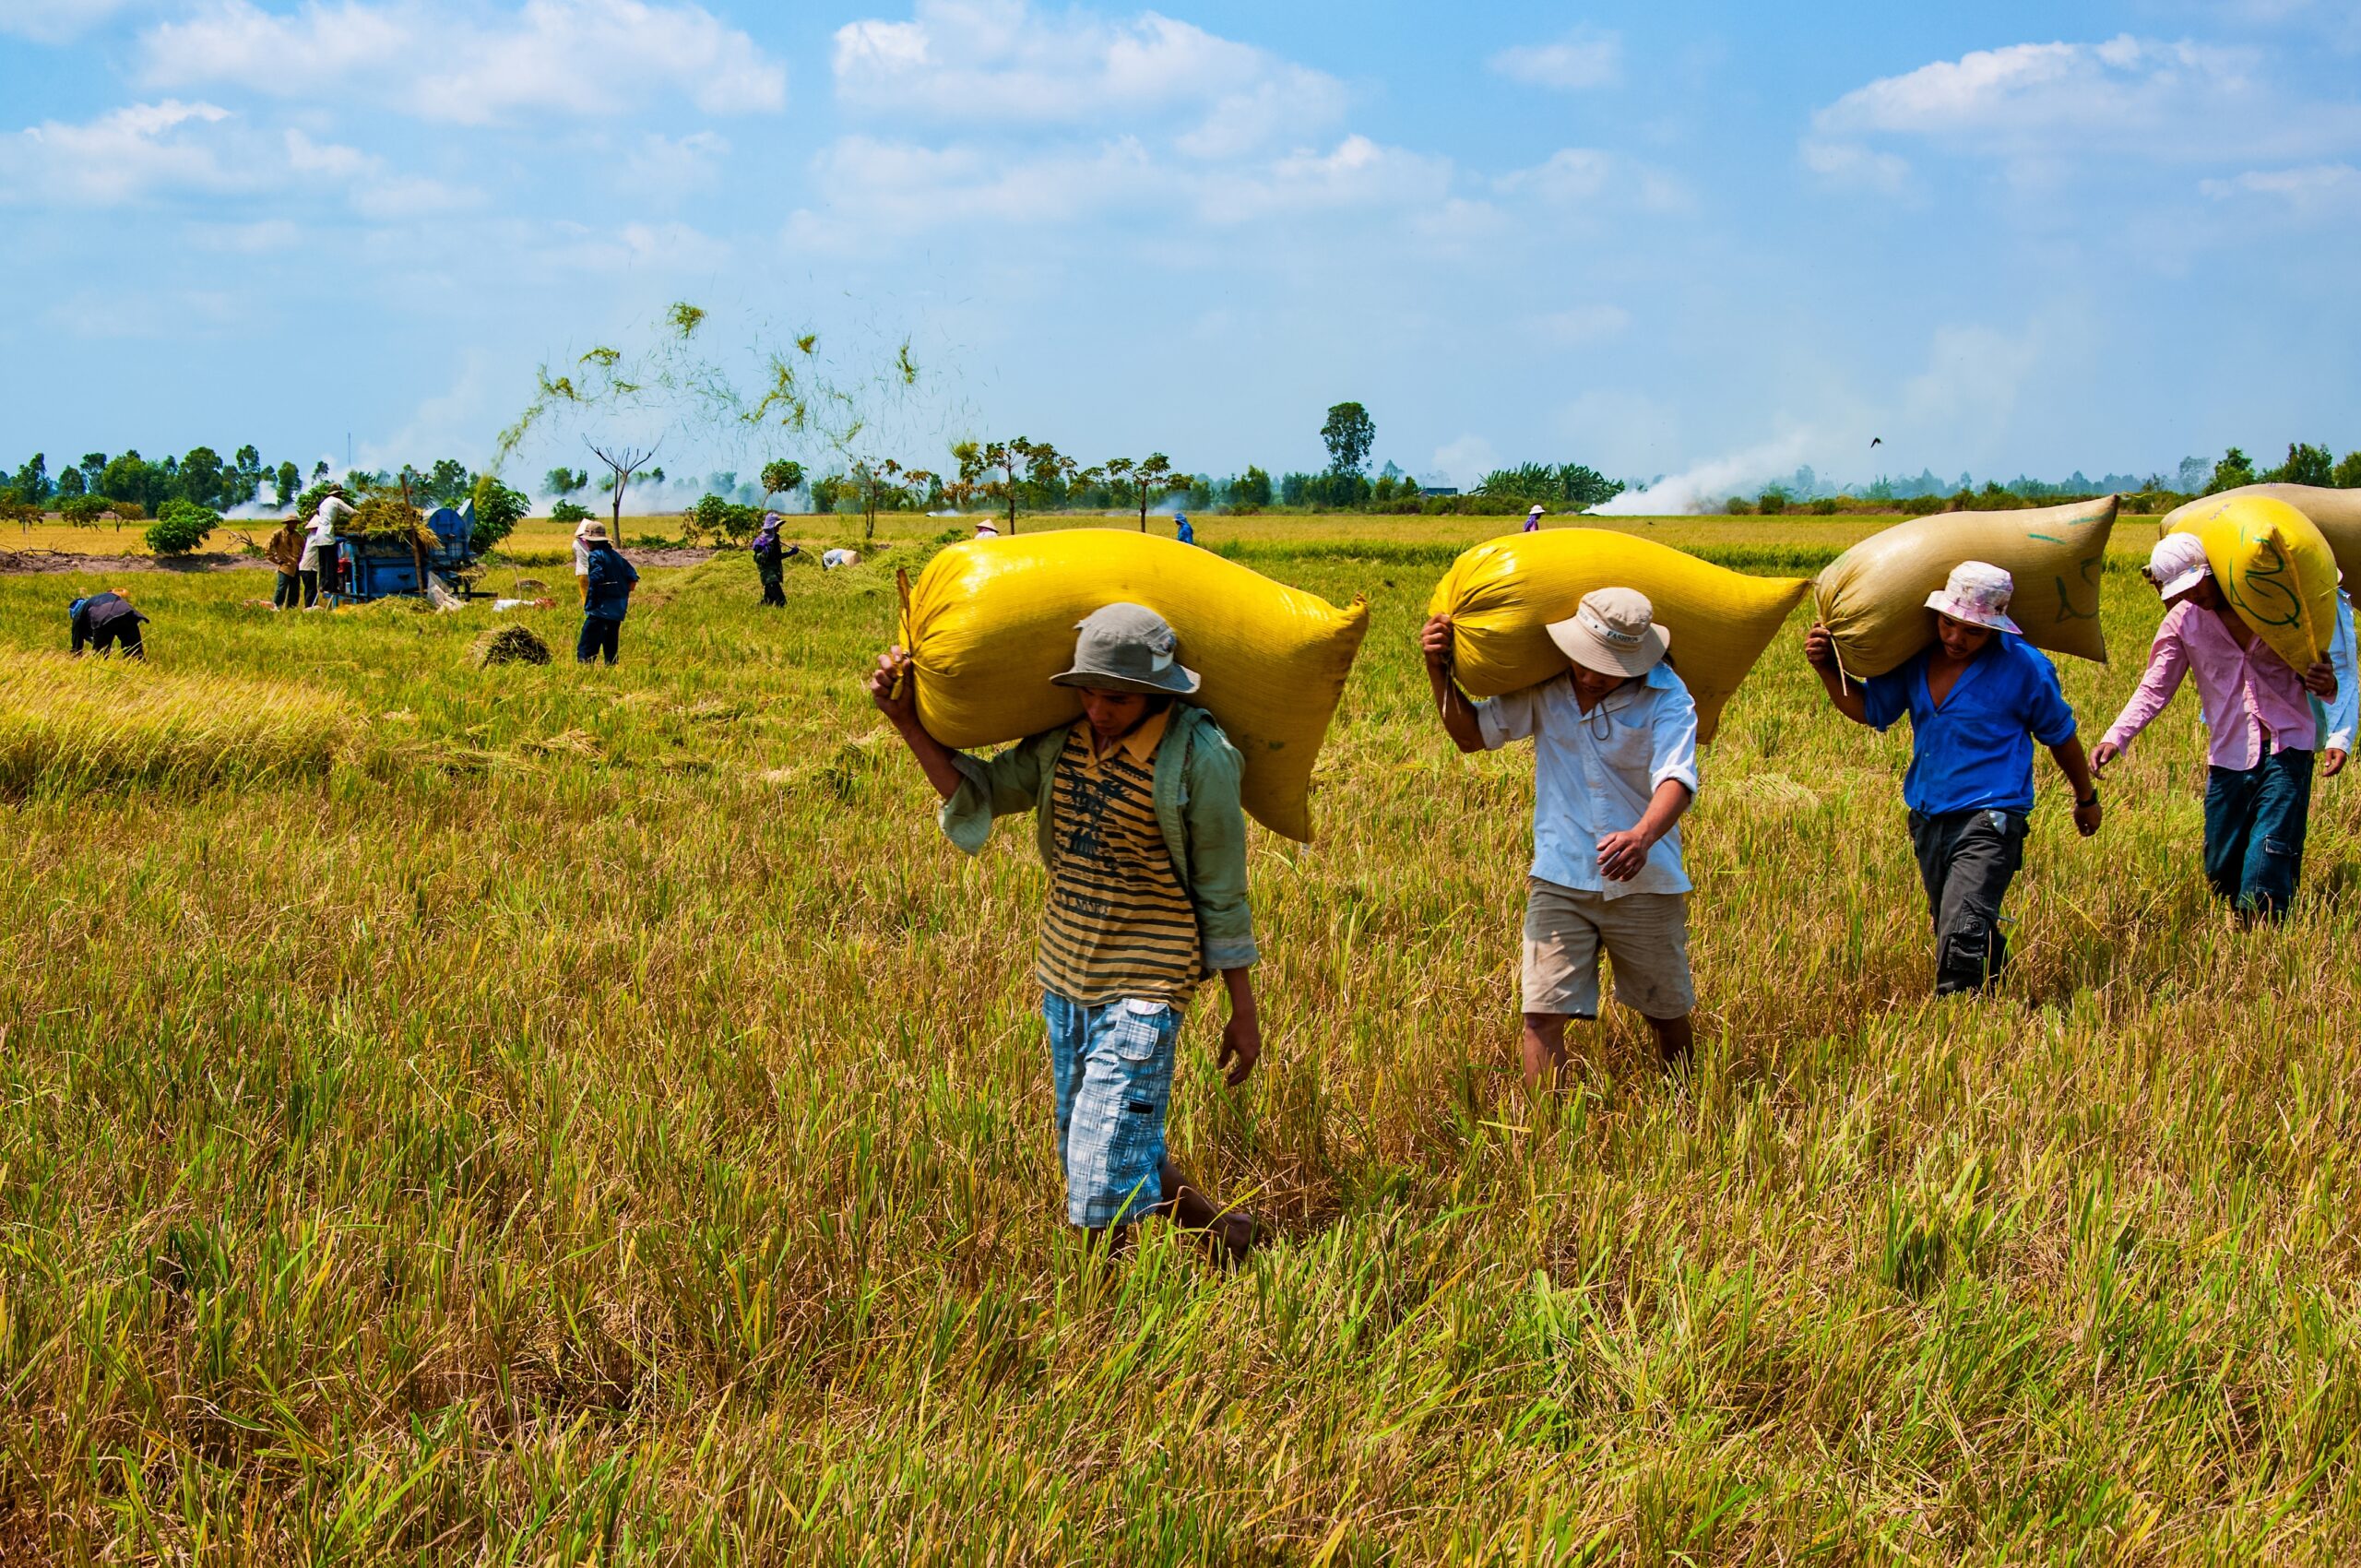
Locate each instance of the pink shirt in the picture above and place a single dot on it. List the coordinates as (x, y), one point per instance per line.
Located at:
(2248, 695)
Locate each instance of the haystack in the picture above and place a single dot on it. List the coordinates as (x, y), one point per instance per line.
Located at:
(508, 645)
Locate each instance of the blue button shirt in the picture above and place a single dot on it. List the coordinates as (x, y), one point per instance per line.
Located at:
(1975, 752)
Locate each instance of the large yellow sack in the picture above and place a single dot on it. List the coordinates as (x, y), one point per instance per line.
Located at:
(2336, 513)
(1500, 596)
(1873, 598)
(991, 621)
(2274, 566)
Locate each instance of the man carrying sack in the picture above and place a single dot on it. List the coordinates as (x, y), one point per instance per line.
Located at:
(1977, 699)
(1615, 765)
(1137, 817)
(2258, 723)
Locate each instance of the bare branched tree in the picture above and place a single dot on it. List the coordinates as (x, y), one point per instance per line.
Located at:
(623, 462)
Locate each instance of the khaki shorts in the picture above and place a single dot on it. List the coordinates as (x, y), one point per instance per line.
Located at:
(1645, 934)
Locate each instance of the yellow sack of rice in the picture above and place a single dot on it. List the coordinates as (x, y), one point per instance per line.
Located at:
(2274, 568)
(1873, 598)
(990, 621)
(2336, 513)
(1500, 595)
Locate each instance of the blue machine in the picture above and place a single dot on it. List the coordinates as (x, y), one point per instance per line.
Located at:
(374, 567)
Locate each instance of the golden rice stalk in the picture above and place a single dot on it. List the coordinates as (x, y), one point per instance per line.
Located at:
(73, 724)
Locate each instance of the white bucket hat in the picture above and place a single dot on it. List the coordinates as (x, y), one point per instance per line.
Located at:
(1613, 631)
(1537, 510)
(1978, 594)
(2177, 564)
(1127, 647)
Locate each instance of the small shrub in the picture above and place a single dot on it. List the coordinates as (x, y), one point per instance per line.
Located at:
(181, 526)
(1773, 501)
(1738, 507)
(1824, 507)
(570, 512)
(498, 511)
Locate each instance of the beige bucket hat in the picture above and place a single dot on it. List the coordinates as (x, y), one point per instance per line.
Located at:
(1613, 631)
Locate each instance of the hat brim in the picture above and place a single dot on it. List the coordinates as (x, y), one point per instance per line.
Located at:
(1942, 603)
(1176, 681)
(1595, 653)
(2185, 582)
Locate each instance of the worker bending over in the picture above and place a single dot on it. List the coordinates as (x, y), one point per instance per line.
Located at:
(104, 620)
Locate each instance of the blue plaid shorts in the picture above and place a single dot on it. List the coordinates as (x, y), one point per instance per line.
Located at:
(1113, 1065)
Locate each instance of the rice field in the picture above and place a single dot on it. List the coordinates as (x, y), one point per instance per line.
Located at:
(537, 1114)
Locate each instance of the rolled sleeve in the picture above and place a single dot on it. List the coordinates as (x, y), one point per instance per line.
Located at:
(2048, 715)
(1885, 698)
(1217, 854)
(1673, 727)
(1002, 786)
(1515, 717)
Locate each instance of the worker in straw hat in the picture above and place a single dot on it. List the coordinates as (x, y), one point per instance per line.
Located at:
(1978, 697)
(770, 560)
(1532, 519)
(2259, 730)
(1138, 817)
(1615, 765)
(606, 596)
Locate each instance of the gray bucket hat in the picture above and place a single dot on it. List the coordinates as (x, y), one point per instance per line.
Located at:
(1127, 647)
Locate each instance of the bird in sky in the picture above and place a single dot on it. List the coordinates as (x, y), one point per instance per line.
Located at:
(1877, 440)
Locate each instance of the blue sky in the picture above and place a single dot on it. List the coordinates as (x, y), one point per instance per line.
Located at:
(1712, 240)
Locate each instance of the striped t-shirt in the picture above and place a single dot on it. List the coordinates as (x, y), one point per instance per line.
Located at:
(1120, 924)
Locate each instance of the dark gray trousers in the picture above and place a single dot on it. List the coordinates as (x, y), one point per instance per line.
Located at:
(1967, 860)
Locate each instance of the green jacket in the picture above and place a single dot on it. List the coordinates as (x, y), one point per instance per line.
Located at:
(1197, 774)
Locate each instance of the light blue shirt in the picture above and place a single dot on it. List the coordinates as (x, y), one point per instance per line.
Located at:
(1594, 773)
(2344, 713)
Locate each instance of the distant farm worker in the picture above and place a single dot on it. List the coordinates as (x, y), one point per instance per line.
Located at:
(770, 560)
(987, 528)
(1180, 529)
(1615, 765)
(285, 552)
(1533, 520)
(2259, 731)
(832, 558)
(104, 621)
(1978, 699)
(606, 597)
(1137, 817)
(318, 554)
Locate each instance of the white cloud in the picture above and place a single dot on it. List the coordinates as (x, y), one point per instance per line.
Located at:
(1581, 324)
(421, 57)
(1587, 177)
(1358, 172)
(2045, 106)
(662, 166)
(122, 155)
(2315, 190)
(1002, 62)
(55, 21)
(1584, 58)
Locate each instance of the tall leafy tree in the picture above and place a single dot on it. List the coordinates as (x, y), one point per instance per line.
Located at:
(2305, 464)
(201, 477)
(1349, 434)
(288, 481)
(32, 482)
(2234, 469)
(779, 476)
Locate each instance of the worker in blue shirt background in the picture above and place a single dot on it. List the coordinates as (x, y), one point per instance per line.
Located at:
(606, 593)
(1977, 699)
(1180, 529)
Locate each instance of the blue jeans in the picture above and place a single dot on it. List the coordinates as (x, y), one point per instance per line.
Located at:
(2255, 821)
(1113, 1067)
(599, 636)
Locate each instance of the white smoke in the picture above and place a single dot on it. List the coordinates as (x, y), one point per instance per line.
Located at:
(1708, 485)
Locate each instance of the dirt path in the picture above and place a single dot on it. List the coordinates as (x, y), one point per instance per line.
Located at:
(22, 562)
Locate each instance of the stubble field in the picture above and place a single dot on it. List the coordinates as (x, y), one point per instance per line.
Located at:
(538, 1114)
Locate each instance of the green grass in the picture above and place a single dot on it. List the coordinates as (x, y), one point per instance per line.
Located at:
(593, 1114)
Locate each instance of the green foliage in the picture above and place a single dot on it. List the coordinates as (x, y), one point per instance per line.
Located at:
(2305, 464)
(307, 506)
(716, 518)
(562, 481)
(1252, 488)
(84, 511)
(780, 476)
(1772, 502)
(288, 481)
(1348, 433)
(2347, 475)
(570, 512)
(2232, 471)
(181, 526)
(1576, 484)
(498, 511)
